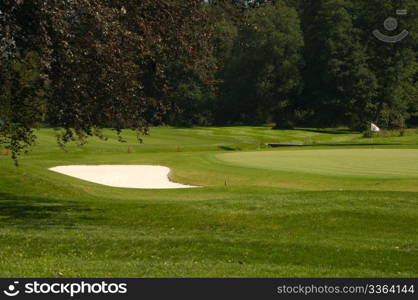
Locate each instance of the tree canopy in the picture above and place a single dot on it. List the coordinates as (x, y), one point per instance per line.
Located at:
(81, 65)
(84, 64)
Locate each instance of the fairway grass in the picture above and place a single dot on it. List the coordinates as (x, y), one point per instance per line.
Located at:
(341, 207)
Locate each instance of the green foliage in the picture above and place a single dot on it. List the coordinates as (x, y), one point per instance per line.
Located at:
(23, 102)
(192, 105)
(350, 74)
(263, 71)
(104, 61)
(339, 81)
(395, 65)
(185, 63)
(390, 133)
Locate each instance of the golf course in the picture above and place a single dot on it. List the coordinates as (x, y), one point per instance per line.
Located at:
(339, 205)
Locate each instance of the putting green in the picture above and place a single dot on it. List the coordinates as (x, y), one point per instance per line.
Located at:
(377, 163)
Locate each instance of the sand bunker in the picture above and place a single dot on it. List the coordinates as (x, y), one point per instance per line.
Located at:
(123, 176)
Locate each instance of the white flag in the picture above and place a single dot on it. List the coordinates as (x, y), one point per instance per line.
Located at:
(374, 128)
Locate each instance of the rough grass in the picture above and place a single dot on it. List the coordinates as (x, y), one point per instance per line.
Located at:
(267, 222)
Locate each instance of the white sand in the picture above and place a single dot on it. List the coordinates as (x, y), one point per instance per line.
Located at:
(123, 176)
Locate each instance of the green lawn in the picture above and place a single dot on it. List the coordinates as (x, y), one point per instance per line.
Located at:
(364, 163)
(344, 206)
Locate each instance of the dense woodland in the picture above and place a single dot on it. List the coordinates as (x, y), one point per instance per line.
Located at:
(82, 65)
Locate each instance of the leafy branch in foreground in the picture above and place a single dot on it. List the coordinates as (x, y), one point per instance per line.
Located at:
(81, 65)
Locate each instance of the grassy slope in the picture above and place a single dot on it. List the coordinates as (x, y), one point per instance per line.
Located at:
(264, 223)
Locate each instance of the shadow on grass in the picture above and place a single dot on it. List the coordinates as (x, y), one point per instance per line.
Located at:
(229, 148)
(329, 131)
(352, 144)
(38, 213)
(334, 145)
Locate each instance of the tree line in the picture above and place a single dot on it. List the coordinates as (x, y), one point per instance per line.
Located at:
(82, 65)
(309, 63)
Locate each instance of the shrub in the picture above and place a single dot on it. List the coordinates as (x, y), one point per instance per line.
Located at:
(390, 133)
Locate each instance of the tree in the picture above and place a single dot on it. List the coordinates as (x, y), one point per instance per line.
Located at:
(339, 82)
(22, 100)
(349, 74)
(394, 65)
(191, 99)
(263, 73)
(103, 62)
